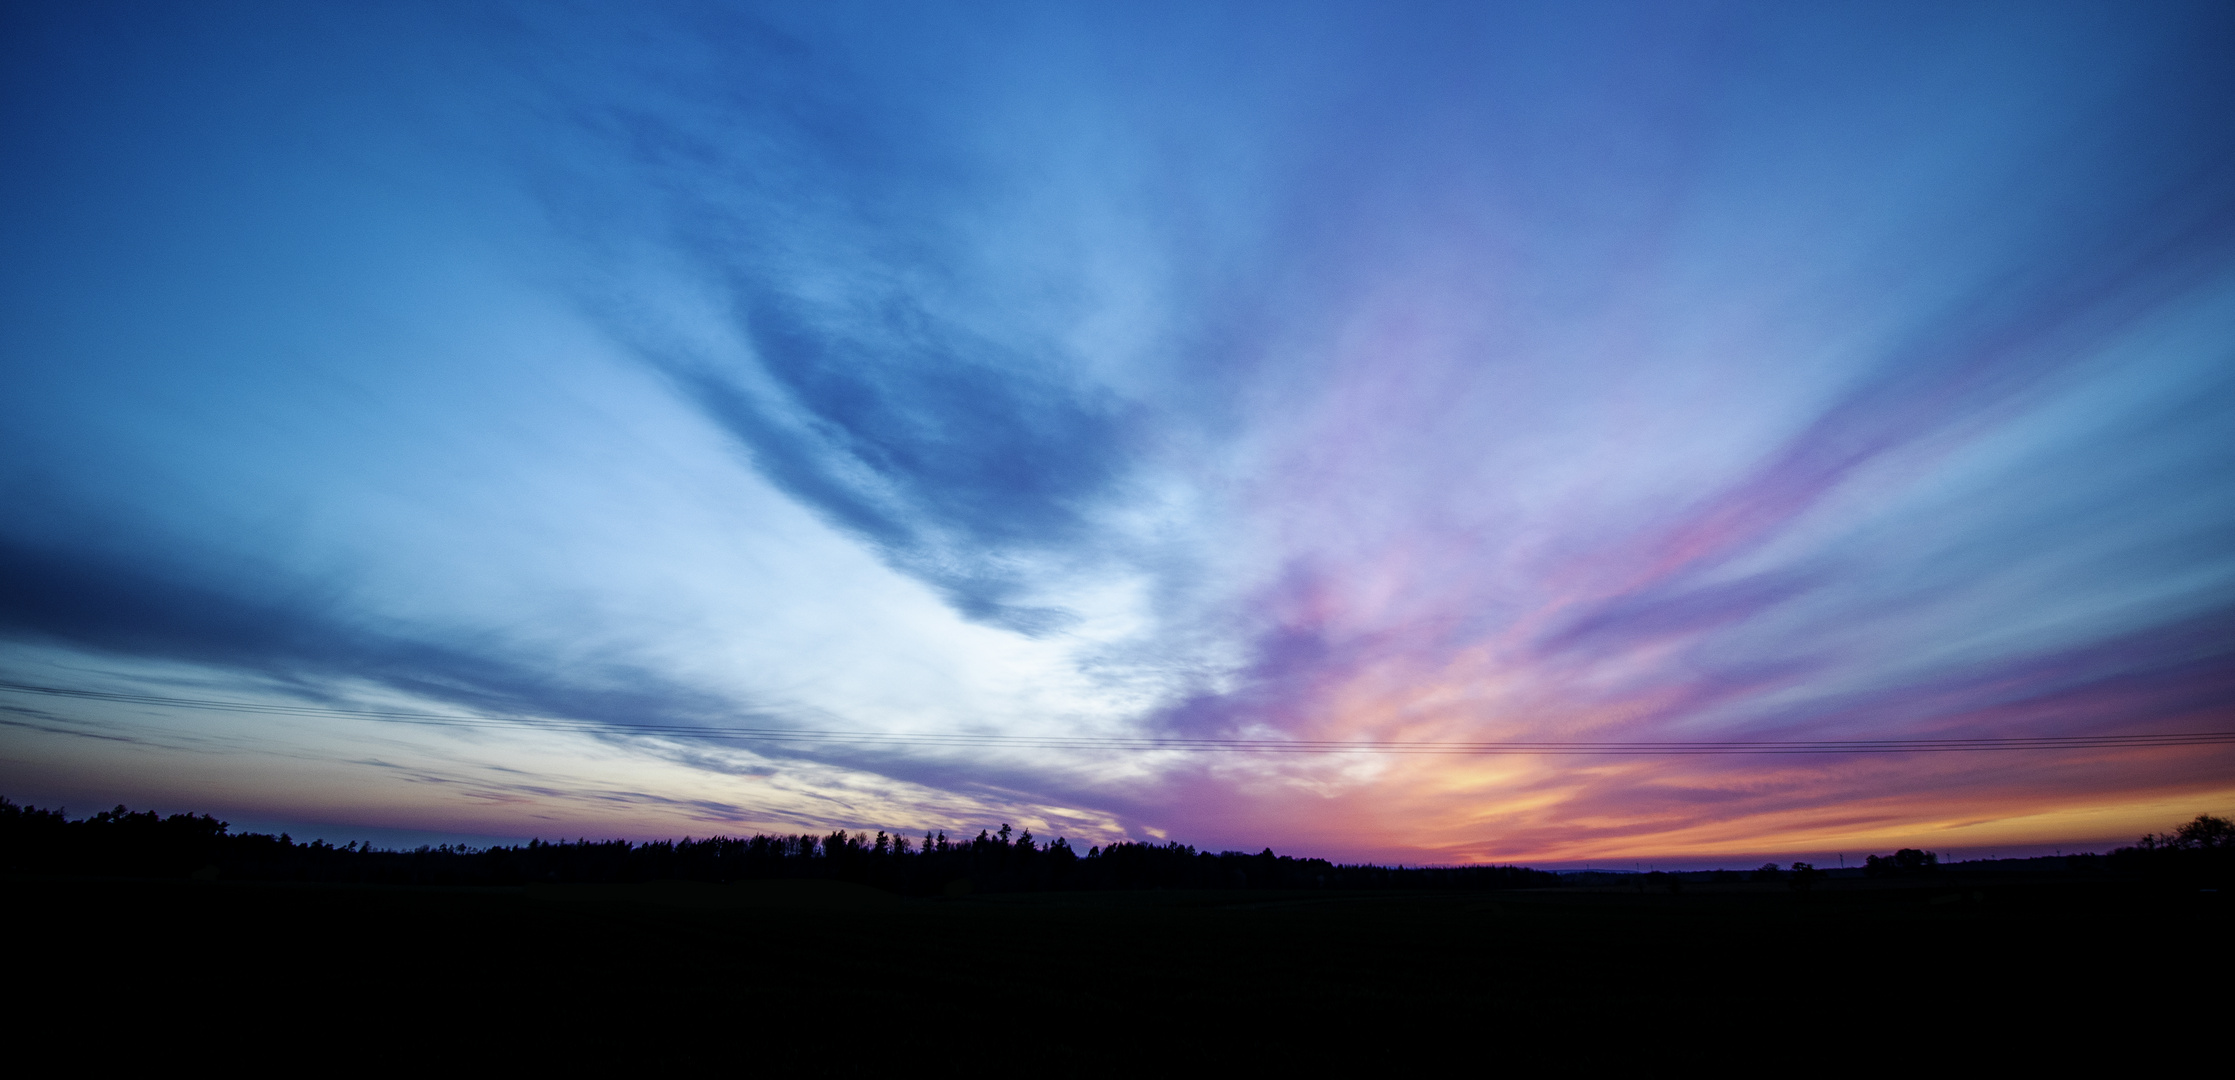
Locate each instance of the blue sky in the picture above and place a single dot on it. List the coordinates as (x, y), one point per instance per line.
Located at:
(1277, 372)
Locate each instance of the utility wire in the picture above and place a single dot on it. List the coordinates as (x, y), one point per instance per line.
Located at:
(965, 740)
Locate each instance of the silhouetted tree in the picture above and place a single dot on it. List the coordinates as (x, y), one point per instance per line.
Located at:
(2206, 833)
(1907, 862)
(2201, 852)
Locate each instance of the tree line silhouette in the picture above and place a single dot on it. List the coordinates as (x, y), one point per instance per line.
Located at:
(2201, 851)
(120, 843)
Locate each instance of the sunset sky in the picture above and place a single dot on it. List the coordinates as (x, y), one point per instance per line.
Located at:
(581, 388)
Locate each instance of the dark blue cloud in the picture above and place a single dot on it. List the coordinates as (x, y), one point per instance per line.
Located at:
(118, 607)
(298, 646)
(818, 182)
(1673, 611)
(946, 462)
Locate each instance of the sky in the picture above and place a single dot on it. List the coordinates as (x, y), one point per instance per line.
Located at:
(487, 421)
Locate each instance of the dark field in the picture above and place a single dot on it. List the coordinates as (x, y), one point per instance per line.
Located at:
(801, 969)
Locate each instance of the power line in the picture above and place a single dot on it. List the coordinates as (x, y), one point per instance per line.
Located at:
(1185, 744)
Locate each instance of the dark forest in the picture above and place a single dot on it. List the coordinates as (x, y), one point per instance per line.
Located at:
(122, 843)
(769, 950)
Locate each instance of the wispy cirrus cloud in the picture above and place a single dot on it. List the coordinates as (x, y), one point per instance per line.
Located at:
(1474, 374)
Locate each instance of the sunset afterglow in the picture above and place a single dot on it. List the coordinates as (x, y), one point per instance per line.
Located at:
(501, 421)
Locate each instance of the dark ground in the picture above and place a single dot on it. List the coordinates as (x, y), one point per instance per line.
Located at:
(839, 975)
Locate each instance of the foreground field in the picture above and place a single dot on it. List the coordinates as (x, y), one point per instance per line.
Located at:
(799, 969)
